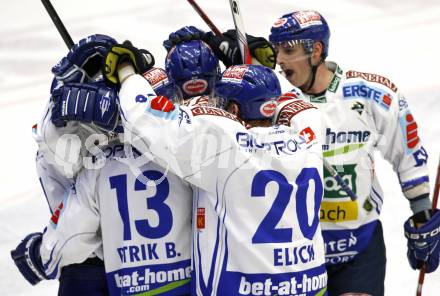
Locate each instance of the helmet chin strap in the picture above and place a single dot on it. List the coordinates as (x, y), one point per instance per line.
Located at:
(312, 75)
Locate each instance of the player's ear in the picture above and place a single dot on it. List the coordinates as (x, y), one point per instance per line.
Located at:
(233, 108)
(317, 52)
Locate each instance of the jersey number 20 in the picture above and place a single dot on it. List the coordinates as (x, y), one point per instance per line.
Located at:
(267, 231)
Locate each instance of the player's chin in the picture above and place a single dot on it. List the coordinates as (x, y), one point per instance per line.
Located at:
(292, 79)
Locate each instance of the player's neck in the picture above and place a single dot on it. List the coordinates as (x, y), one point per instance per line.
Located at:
(322, 80)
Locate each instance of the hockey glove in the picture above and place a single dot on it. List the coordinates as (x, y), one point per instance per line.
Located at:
(87, 103)
(84, 61)
(27, 258)
(226, 48)
(423, 242)
(184, 34)
(141, 59)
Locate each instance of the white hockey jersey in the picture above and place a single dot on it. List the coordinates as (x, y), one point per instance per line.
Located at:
(257, 232)
(132, 214)
(363, 112)
(141, 229)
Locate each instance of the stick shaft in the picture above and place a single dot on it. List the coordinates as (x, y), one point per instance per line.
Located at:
(434, 206)
(205, 17)
(241, 33)
(58, 23)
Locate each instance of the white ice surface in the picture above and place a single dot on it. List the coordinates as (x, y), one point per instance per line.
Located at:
(397, 39)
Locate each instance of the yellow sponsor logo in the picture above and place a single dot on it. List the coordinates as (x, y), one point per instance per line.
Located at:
(338, 211)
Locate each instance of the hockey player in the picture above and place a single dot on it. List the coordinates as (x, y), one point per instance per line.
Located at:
(60, 250)
(193, 67)
(56, 171)
(246, 241)
(361, 112)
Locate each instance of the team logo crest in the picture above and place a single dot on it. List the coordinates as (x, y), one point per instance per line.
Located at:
(104, 103)
(195, 86)
(268, 108)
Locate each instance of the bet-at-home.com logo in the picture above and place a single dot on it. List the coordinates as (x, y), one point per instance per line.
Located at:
(332, 189)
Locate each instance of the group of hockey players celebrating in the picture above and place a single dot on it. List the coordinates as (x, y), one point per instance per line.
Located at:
(191, 181)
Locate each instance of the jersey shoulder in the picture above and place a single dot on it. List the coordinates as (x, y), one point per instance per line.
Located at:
(372, 88)
(218, 115)
(287, 109)
(371, 78)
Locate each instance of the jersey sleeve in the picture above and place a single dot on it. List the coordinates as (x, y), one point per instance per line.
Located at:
(62, 147)
(55, 185)
(401, 145)
(72, 234)
(188, 140)
(302, 116)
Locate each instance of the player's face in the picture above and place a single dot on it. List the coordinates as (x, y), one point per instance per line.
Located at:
(293, 60)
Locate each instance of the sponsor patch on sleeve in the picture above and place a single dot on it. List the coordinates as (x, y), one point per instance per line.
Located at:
(292, 109)
(204, 110)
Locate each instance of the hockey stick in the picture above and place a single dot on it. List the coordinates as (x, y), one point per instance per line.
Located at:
(58, 23)
(434, 205)
(241, 33)
(339, 180)
(205, 17)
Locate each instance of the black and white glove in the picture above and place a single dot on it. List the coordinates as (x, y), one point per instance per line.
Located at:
(141, 59)
(27, 258)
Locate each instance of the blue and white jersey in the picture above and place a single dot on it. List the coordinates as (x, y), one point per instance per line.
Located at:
(361, 113)
(256, 206)
(135, 216)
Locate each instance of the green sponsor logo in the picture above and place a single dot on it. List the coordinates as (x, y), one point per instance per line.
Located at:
(320, 99)
(348, 174)
(165, 288)
(334, 84)
(342, 150)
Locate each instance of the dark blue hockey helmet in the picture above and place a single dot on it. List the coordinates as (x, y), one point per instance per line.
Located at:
(162, 85)
(193, 67)
(301, 27)
(254, 88)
